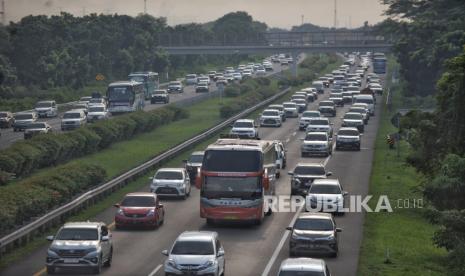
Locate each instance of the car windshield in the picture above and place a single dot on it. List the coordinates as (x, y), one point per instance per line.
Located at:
(138, 201)
(196, 158)
(137, 78)
(353, 116)
(289, 105)
(35, 125)
(160, 92)
(243, 125)
(72, 115)
(319, 122)
(193, 248)
(85, 99)
(311, 114)
(326, 103)
(276, 107)
(169, 175)
(364, 100)
(96, 109)
(311, 170)
(43, 104)
(316, 137)
(270, 113)
(348, 132)
(314, 224)
(174, 83)
(77, 234)
(358, 110)
(23, 116)
(325, 189)
(95, 101)
(191, 76)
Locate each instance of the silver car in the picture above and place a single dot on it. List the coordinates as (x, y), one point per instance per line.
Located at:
(80, 245)
(171, 182)
(303, 266)
(73, 119)
(195, 253)
(325, 195)
(46, 109)
(316, 143)
(314, 233)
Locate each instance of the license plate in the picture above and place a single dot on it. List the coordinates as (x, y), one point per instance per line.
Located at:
(71, 261)
(230, 217)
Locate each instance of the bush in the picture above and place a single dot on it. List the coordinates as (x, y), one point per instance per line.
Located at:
(37, 195)
(23, 157)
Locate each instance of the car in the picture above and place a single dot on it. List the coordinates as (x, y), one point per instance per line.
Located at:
(139, 209)
(202, 87)
(327, 108)
(319, 86)
(337, 100)
(301, 104)
(6, 119)
(353, 119)
(160, 96)
(175, 87)
(22, 119)
(84, 106)
(35, 128)
(291, 109)
(193, 164)
(73, 119)
(195, 253)
(367, 99)
(245, 128)
(311, 91)
(347, 97)
(268, 67)
(320, 124)
(299, 97)
(316, 143)
(314, 233)
(306, 117)
(325, 81)
(46, 109)
(284, 62)
(348, 138)
(237, 76)
(229, 77)
(204, 79)
(303, 176)
(191, 79)
(303, 266)
(221, 81)
(280, 108)
(80, 245)
(97, 101)
(211, 74)
(247, 73)
(85, 99)
(270, 117)
(325, 195)
(171, 182)
(260, 72)
(97, 112)
(218, 75)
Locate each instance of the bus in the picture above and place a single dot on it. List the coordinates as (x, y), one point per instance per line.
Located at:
(234, 178)
(149, 79)
(125, 96)
(379, 63)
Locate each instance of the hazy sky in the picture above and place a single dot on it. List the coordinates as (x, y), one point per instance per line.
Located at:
(275, 13)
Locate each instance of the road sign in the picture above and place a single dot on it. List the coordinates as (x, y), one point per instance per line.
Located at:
(99, 77)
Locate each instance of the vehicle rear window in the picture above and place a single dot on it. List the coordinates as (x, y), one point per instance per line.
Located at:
(316, 137)
(313, 170)
(325, 189)
(289, 105)
(23, 116)
(270, 113)
(367, 101)
(169, 175)
(356, 116)
(138, 201)
(43, 104)
(193, 248)
(314, 224)
(96, 109)
(73, 115)
(77, 234)
(327, 103)
(196, 158)
(300, 273)
(311, 114)
(318, 122)
(35, 125)
(348, 132)
(243, 125)
(232, 161)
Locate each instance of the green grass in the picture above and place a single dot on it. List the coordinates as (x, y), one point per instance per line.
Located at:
(404, 233)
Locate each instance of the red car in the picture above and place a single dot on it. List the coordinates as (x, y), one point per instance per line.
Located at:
(139, 209)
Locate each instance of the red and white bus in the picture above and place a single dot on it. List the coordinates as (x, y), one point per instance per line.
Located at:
(234, 179)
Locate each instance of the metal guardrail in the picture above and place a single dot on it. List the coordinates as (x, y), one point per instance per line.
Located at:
(24, 233)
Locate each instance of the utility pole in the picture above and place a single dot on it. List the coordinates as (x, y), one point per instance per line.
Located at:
(335, 14)
(145, 6)
(3, 13)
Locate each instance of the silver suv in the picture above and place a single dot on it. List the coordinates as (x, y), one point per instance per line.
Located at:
(195, 253)
(303, 266)
(46, 109)
(73, 119)
(171, 182)
(80, 244)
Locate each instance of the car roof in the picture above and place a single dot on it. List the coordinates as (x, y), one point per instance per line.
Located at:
(97, 105)
(348, 128)
(141, 194)
(352, 113)
(74, 111)
(245, 120)
(21, 113)
(170, 170)
(271, 109)
(303, 264)
(326, 181)
(310, 215)
(83, 224)
(317, 132)
(198, 153)
(309, 165)
(197, 236)
(50, 101)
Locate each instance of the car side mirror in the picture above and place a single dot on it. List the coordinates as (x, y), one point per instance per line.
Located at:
(361, 134)
(329, 173)
(345, 193)
(105, 238)
(290, 173)
(220, 253)
(117, 205)
(160, 205)
(289, 228)
(338, 230)
(50, 238)
(165, 252)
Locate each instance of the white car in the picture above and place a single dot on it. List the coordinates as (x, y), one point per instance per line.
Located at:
(97, 112)
(237, 76)
(306, 117)
(270, 117)
(195, 253)
(171, 182)
(245, 128)
(320, 124)
(191, 79)
(46, 109)
(325, 195)
(366, 99)
(203, 79)
(316, 143)
(291, 109)
(73, 119)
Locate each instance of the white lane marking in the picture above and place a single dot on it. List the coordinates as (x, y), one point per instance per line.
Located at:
(284, 237)
(155, 270)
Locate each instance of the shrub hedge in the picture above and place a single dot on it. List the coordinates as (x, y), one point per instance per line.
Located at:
(41, 151)
(36, 195)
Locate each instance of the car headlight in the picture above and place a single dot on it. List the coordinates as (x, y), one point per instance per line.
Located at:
(172, 263)
(120, 212)
(52, 251)
(151, 213)
(207, 264)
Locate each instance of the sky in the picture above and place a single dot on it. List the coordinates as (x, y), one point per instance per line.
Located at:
(275, 13)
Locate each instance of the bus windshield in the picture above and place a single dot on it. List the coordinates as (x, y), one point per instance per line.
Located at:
(120, 94)
(231, 187)
(232, 161)
(137, 78)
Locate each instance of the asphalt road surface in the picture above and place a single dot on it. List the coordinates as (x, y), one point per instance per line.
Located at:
(250, 250)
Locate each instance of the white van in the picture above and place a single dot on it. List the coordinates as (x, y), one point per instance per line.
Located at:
(368, 99)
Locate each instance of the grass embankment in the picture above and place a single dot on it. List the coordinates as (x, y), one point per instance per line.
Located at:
(122, 156)
(404, 235)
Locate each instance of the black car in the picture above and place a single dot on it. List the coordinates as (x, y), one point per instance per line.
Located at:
(193, 164)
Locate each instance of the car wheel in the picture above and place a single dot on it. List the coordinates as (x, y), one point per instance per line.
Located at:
(110, 258)
(51, 270)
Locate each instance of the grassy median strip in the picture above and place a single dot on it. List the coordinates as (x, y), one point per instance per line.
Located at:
(397, 243)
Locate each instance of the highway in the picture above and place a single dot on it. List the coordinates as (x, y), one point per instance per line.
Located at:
(8, 136)
(250, 250)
